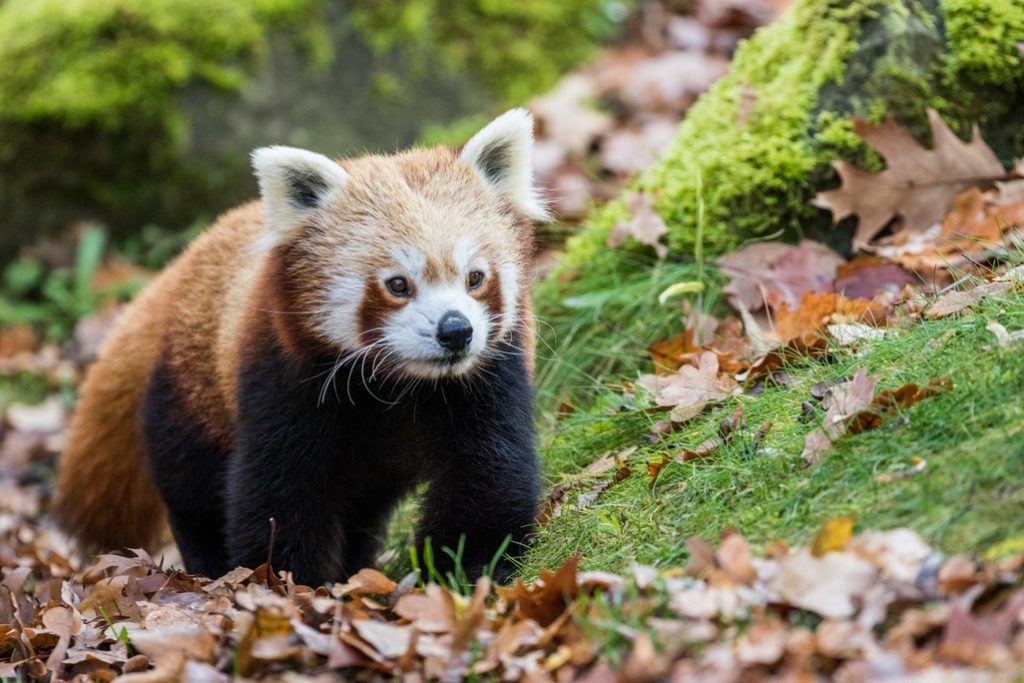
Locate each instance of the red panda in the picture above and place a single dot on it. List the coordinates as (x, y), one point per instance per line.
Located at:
(314, 356)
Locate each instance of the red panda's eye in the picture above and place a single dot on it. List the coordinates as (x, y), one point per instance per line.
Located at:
(476, 278)
(398, 286)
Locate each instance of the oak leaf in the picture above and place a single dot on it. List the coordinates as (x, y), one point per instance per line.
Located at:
(918, 184)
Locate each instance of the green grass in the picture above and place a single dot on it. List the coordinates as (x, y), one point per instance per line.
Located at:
(597, 325)
(968, 498)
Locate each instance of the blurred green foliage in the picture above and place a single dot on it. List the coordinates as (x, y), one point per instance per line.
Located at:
(54, 299)
(131, 112)
(117, 63)
(517, 47)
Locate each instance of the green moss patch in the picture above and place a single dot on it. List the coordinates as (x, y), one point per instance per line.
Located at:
(755, 149)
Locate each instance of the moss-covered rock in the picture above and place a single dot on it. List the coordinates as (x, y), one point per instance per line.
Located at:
(753, 151)
(143, 111)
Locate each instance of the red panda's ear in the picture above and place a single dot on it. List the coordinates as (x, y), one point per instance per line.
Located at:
(293, 183)
(502, 152)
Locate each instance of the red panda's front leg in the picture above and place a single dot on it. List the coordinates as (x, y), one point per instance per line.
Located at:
(487, 485)
(319, 467)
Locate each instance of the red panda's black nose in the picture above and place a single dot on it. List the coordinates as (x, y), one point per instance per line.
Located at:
(454, 332)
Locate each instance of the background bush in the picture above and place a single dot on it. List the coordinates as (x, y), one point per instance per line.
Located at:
(135, 112)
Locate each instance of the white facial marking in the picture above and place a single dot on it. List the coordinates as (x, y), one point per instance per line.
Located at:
(410, 259)
(509, 296)
(337, 316)
(464, 254)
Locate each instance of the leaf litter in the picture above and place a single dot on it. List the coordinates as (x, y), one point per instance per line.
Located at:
(849, 607)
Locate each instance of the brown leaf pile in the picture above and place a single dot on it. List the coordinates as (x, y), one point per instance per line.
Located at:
(880, 603)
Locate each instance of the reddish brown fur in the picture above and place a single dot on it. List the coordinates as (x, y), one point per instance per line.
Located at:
(223, 295)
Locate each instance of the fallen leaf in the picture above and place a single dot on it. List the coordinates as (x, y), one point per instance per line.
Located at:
(690, 389)
(1005, 338)
(817, 311)
(764, 642)
(390, 640)
(957, 574)
(726, 429)
(627, 151)
(432, 612)
(734, 558)
(645, 225)
(890, 400)
(45, 417)
(548, 597)
(918, 184)
(866, 275)
(566, 116)
(15, 340)
(826, 585)
(192, 641)
(844, 400)
(366, 581)
(833, 535)
(776, 274)
(848, 399)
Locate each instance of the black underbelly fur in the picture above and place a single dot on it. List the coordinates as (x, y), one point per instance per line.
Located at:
(331, 472)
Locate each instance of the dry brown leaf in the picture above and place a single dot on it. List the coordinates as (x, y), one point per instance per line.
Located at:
(845, 400)
(366, 581)
(866, 275)
(734, 558)
(645, 225)
(726, 429)
(546, 599)
(827, 585)
(627, 151)
(15, 340)
(848, 399)
(775, 273)
(690, 389)
(979, 223)
(390, 640)
(794, 351)
(764, 643)
(956, 301)
(723, 338)
(817, 311)
(192, 641)
(917, 185)
(433, 612)
(567, 118)
(890, 400)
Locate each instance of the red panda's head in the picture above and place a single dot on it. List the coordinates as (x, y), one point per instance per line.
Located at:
(418, 262)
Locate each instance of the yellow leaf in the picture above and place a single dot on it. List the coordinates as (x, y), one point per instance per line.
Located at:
(833, 536)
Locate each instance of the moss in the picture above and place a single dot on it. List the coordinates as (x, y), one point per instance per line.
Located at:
(754, 172)
(984, 36)
(539, 40)
(111, 63)
(806, 74)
